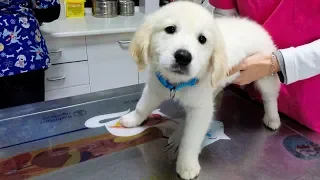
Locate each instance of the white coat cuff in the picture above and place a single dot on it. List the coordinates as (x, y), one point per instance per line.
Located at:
(290, 64)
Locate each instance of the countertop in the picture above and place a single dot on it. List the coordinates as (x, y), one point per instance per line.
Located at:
(90, 25)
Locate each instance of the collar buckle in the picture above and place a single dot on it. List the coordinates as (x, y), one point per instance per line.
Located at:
(172, 93)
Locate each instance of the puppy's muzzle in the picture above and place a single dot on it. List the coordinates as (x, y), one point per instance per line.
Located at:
(183, 57)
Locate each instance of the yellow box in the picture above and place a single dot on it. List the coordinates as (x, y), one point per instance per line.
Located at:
(75, 8)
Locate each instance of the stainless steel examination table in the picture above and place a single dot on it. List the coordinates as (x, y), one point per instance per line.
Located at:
(49, 140)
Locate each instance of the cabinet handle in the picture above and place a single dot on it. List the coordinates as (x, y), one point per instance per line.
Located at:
(56, 51)
(56, 78)
(124, 42)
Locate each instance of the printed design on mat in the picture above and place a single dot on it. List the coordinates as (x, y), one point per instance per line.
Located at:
(42, 161)
(215, 133)
(39, 162)
(156, 119)
(159, 120)
(301, 147)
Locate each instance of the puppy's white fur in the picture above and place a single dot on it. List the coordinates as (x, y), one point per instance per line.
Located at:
(229, 41)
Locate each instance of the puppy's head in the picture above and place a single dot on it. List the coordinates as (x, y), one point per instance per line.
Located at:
(182, 41)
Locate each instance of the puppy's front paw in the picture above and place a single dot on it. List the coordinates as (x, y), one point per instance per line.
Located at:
(272, 123)
(130, 120)
(188, 168)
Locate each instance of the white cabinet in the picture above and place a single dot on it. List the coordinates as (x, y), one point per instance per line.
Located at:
(63, 50)
(90, 64)
(69, 73)
(110, 64)
(66, 75)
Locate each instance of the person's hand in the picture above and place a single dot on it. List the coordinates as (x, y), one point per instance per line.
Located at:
(253, 68)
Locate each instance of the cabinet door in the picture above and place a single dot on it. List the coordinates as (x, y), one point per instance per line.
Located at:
(66, 75)
(64, 50)
(110, 64)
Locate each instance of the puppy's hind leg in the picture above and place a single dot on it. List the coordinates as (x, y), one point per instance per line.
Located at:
(269, 87)
(149, 100)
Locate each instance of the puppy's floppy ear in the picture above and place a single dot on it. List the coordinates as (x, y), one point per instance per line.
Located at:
(219, 59)
(139, 46)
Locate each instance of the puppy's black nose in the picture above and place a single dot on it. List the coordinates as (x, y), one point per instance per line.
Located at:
(183, 57)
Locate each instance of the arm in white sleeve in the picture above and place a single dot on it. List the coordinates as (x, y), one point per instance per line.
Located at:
(225, 12)
(299, 63)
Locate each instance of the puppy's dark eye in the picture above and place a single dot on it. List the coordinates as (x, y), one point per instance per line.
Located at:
(202, 39)
(170, 29)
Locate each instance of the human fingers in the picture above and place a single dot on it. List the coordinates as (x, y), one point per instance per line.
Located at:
(237, 68)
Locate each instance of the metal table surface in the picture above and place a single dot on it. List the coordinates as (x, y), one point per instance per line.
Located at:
(48, 140)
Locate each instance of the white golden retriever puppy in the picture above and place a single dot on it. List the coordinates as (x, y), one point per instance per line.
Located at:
(188, 54)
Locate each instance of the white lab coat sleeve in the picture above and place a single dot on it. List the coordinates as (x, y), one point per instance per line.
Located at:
(225, 12)
(301, 62)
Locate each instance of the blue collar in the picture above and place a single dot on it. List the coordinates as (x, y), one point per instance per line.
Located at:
(174, 88)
